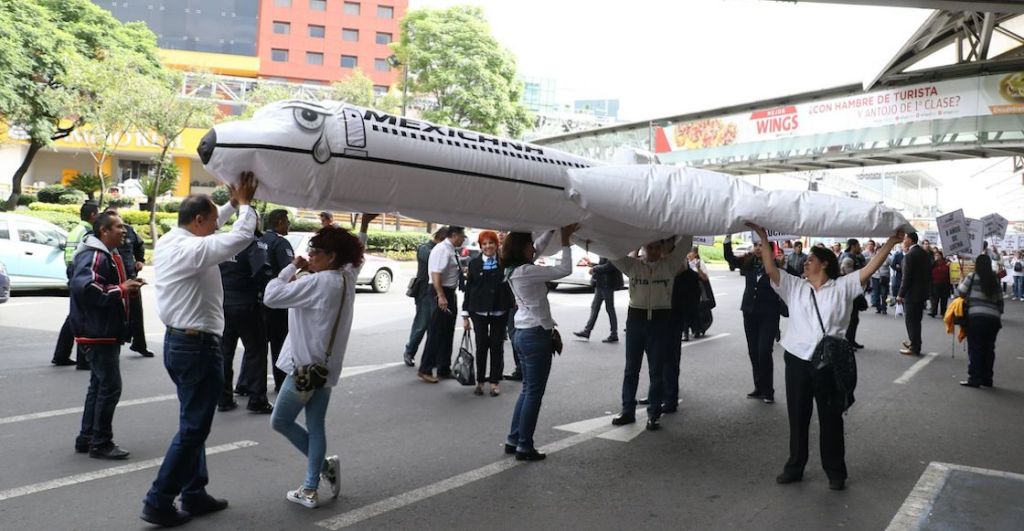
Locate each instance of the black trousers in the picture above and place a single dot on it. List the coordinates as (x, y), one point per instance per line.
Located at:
(761, 330)
(804, 387)
(605, 297)
(981, 348)
(650, 337)
(851, 331)
(245, 322)
(276, 320)
(437, 354)
(670, 365)
(66, 342)
(913, 313)
(940, 298)
(489, 332)
(135, 322)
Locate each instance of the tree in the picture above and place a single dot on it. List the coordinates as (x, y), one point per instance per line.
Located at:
(357, 89)
(266, 93)
(88, 183)
(452, 57)
(39, 41)
(161, 116)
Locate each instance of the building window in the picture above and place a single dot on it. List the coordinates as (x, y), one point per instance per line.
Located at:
(282, 28)
(385, 12)
(314, 58)
(381, 65)
(278, 55)
(316, 32)
(348, 34)
(318, 5)
(283, 3)
(380, 90)
(352, 8)
(349, 61)
(383, 38)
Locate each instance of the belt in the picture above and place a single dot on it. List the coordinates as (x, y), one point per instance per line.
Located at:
(200, 334)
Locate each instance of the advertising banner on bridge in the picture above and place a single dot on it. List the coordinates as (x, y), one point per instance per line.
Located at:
(957, 98)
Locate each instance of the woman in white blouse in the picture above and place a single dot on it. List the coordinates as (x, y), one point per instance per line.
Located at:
(533, 330)
(319, 319)
(833, 295)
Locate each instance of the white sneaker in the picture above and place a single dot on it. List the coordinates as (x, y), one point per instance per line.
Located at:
(329, 473)
(299, 496)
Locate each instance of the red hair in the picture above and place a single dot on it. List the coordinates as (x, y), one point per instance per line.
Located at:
(487, 235)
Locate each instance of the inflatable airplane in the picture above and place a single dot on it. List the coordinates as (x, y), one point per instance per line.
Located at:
(336, 156)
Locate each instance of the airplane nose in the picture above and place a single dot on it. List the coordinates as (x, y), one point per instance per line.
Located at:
(206, 145)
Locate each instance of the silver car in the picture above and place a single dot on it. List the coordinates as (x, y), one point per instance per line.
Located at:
(580, 275)
(377, 272)
(5, 284)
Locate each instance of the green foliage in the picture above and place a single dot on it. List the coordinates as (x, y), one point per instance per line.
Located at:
(73, 197)
(152, 188)
(54, 207)
(140, 218)
(452, 56)
(395, 241)
(52, 193)
(220, 195)
(356, 89)
(87, 183)
(27, 199)
(170, 206)
(121, 202)
(304, 225)
(63, 220)
(266, 93)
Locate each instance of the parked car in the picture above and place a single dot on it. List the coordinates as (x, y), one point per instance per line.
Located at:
(33, 252)
(378, 272)
(580, 275)
(5, 284)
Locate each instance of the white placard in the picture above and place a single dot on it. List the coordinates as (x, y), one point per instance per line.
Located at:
(773, 236)
(931, 235)
(976, 233)
(953, 233)
(995, 225)
(703, 240)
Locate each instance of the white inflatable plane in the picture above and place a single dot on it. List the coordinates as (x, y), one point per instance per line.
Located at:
(335, 156)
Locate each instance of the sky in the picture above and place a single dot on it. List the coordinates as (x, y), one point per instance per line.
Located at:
(667, 57)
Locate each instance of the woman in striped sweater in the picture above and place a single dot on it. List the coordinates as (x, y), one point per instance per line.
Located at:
(984, 308)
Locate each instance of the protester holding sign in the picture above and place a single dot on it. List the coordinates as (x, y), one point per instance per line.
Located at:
(1017, 268)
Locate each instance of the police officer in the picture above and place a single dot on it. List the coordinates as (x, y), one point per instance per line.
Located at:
(66, 340)
(133, 253)
(243, 278)
(279, 254)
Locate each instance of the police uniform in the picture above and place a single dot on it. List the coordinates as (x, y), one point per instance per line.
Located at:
(279, 254)
(133, 250)
(243, 278)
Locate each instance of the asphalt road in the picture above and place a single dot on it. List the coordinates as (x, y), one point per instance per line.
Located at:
(418, 456)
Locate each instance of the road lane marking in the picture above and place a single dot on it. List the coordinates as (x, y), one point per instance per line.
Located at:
(702, 340)
(915, 368)
(108, 472)
(346, 372)
(921, 500)
(405, 499)
(24, 303)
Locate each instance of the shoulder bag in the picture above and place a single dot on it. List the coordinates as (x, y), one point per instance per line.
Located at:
(961, 320)
(836, 355)
(414, 287)
(313, 376)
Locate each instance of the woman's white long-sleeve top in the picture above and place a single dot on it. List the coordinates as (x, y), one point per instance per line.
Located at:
(529, 287)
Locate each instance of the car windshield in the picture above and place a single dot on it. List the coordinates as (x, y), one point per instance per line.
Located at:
(39, 234)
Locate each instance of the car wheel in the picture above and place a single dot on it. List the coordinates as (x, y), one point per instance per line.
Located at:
(381, 281)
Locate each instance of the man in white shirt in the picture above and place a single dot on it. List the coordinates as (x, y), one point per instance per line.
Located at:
(445, 276)
(189, 298)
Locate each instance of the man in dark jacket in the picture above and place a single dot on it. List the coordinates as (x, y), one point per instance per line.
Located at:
(606, 280)
(914, 291)
(66, 339)
(851, 260)
(100, 300)
(133, 252)
(242, 278)
(279, 254)
(423, 296)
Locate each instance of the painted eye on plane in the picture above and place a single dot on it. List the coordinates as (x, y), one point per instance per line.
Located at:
(308, 119)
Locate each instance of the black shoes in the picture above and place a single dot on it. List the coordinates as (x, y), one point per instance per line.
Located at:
(837, 484)
(108, 451)
(644, 401)
(769, 399)
(82, 444)
(144, 352)
(623, 418)
(856, 344)
(227, 406)
(62, 363)
(686, 336)
(516, 376)
(164, 518)
(653, 424)
(407, 358)
(968, 383)
(241, 391)
(532, 455)
(82, 366)
(784, 479)
(583, 334)
(510, 449)
(666, 409)
(262, 408)
(754, 394)
(610, 339)
(202, 505)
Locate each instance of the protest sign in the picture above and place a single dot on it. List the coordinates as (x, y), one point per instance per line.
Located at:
(953, 233)
(976, 234)
(773, 236)
(995, 225)
(703, 240)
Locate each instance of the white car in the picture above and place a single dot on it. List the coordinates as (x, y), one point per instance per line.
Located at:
(377, 272)
(5, 284)
(580, 275)
(32, 251)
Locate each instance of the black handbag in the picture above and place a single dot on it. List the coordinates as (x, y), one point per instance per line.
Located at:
(836, 355)
(860, 303)
(414, 287)
(313, 376)
(462, 369)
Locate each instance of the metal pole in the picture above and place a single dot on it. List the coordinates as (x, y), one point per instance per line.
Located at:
(405, 88)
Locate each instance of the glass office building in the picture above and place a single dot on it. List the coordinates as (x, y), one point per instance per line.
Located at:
(216, 26)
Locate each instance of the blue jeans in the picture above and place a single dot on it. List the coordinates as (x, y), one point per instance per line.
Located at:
(103, 395)
(879, 292)
(535, 354)
(650, 336)
(196, 368)
(1018, 287)
(312, 443)
(425, 306)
